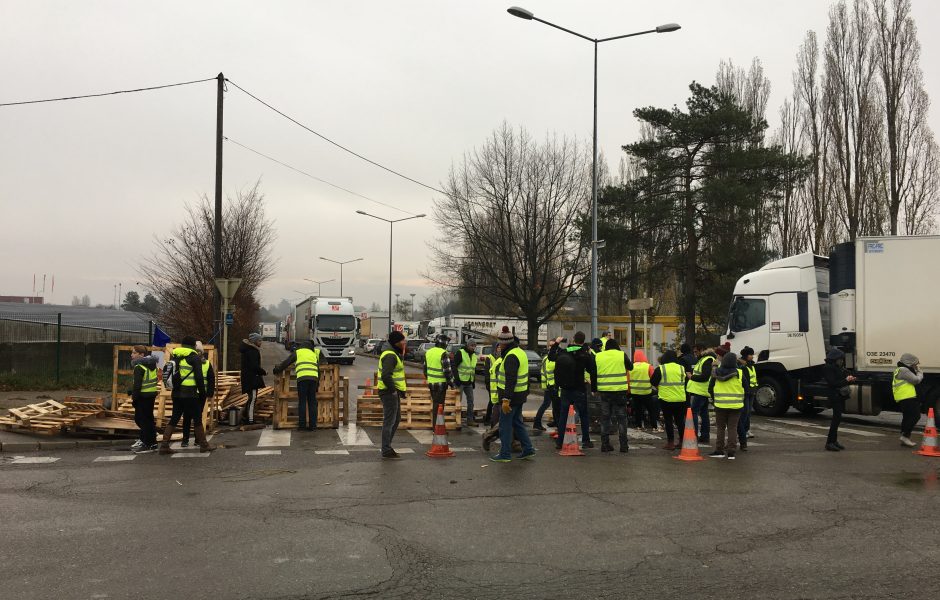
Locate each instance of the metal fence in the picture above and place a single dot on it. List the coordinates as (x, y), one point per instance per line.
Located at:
(69, 348)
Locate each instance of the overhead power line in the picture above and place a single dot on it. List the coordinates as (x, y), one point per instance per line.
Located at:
(144, 89)
(302, 172)
(337, 144)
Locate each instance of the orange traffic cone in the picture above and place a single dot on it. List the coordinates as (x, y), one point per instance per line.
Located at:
(929, 446)
(368, 383)
(439, 447)
(689, 442)
(570, 446)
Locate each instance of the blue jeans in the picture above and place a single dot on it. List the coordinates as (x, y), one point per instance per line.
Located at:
(467, 390)
(548, 400)
(578, 399)
(700, 414)
(509, 424)
(744, 423)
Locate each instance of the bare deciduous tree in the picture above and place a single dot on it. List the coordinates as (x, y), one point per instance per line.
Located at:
(510, 224)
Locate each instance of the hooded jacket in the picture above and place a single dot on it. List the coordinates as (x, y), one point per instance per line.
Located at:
(706, 373)
(834, 373)
(640, 356)
(907, 369)
(669, 356)
(571, 364)
(727, 370)
(251, 371)
(149, 362)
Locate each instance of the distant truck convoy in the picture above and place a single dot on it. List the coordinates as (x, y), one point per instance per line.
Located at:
(461, 327)
(332, 324)
(271, 332)
(875, 299)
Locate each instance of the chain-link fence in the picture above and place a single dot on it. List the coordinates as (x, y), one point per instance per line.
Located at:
(58, 347)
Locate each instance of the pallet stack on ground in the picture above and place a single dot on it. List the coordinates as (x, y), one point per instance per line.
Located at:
(332, 399)
(73, 415)
(415, 406)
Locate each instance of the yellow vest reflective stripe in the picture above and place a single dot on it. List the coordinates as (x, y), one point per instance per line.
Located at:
(495, 362)
(305, 366)
(467, 368)
(699, 388)
(398, 375)
(435, 366)
(730, 393)
(611, 371)
(752, 377)
(148, 380)
(185, 369)
(548, 372)
(640, 379)
(902, 389)
(604, 343)
(672, 382)
(522, 377)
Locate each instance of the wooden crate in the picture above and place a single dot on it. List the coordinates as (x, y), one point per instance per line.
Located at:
(415, 410)
(332, 399)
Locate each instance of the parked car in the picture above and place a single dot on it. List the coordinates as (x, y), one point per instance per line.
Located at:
(535, 365)
(422, 350)
(483, 352)
(411, 347)
(370, 344)
(379, 347)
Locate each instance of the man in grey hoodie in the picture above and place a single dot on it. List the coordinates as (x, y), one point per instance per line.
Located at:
(727, 387)
(903, 383)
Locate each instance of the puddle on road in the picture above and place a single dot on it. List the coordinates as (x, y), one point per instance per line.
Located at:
(926, 481)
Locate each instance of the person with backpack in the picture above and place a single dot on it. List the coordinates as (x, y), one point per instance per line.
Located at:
(189, 391)
(305, 357)
(143, 395)
(252, 374)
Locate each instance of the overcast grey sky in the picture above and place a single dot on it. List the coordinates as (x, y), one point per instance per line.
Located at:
(85, 184)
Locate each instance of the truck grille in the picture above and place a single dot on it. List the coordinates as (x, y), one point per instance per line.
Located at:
(334, 341)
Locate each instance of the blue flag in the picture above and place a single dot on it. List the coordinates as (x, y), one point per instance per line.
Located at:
(160, 337)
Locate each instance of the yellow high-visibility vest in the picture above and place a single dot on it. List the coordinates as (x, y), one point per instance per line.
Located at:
(307, 365)
(435, 366)
(672, 382)
(611, 371)
(148, 381)
(699, 388)
(522, 377)
(398, 375)
(467, 368)
(729, 393)
(640, 379)
(902, 389)
(495, 362)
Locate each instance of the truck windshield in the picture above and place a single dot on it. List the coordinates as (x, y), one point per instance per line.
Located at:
(336, 323)
(746, 314)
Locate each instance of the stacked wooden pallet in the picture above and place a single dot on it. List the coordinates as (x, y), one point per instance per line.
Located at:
(332, 399)
(415, 406)
(80, 416)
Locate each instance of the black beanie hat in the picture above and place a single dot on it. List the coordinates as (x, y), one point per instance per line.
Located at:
(395, 337)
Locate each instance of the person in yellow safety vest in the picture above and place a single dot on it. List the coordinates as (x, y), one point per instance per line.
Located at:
(391, 385)
(512, 386)
(643, 402)
(726, 389)
(189, 390)
(438, 372)
(613, 382)
(305, 358)
(746, 361)
(465, 373)
(491, 434)
(208, 375)
(906, 377)
(697, 388)
(669, 380)
(143, 394)
(550, 392)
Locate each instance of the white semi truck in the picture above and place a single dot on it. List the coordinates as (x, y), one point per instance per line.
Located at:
(332, 324)
(875, 299)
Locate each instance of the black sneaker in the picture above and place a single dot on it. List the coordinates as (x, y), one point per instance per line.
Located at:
(717, 454)
(623, 449)
(587, 444)
(538, 427)
(391, 455)
(831, 447)
(184, 444)
(838, 445)
(730, 455)
(606, 447)
(743, 445)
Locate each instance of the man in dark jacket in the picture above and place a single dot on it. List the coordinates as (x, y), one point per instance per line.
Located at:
(189, 392)
(837, 380)
(391, 384)
(252, 374)
(574, 365)
(208, 375)
(513, 389)
(305, 358)
(143, 395)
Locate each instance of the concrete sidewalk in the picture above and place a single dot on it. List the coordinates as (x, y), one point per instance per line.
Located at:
(27, 442)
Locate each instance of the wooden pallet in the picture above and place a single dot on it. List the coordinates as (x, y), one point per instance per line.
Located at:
(49, 408)
(415, 410)
(332, 399)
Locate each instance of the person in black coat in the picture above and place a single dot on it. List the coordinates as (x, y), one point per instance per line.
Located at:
(252, 374)
(837, 381)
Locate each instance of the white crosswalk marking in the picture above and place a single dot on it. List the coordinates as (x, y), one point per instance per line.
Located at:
(337, 452)
(271, 437)
(405, 450)
(33, 460)
(785, 431)
(422, 435)
(119, 458)
(191, 455)
(826, 428)
(192, 445)
(642, 435)
(464, 449)
(353, 436)
(262, 452)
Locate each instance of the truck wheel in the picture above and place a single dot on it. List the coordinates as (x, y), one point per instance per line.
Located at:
(771, 399)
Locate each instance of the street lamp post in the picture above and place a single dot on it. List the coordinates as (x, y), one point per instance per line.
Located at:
(595, 243)
(412, 306)
(340, 263)
(319, 284)
(391, 234)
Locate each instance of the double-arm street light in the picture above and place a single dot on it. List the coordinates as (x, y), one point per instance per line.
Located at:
(595, 243)
(340, 263)
(319, 284)
(391, 234)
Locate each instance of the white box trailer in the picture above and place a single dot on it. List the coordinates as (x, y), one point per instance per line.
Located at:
(875, 299)
(453, 325)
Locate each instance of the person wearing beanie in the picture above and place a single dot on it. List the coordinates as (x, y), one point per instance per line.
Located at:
(305, 358)
(837, 384)
(391, 385)
(726, 388)
(574, 365)
(512, 386)
(746, 361)
(438, 373)
(669, 379)
(697, 389)
(189, 391)
(906, 377)
(252, 374)
(613, 368)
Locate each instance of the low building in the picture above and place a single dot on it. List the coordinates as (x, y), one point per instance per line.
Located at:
(661, 332)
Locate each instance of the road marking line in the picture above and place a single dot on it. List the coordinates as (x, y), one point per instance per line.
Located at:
(274, 437)
(642, 435)
(33, 460)
(338, 452)
(262, 452)
(115, 458)
(422, 435)
(191, 455)
(785, 431)
(464, 449)
(192, 445)
(405, 451)
(826, 428)
(353, 436)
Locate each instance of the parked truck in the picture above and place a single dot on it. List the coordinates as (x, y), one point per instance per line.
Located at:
(875, 299)
(332, 324)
